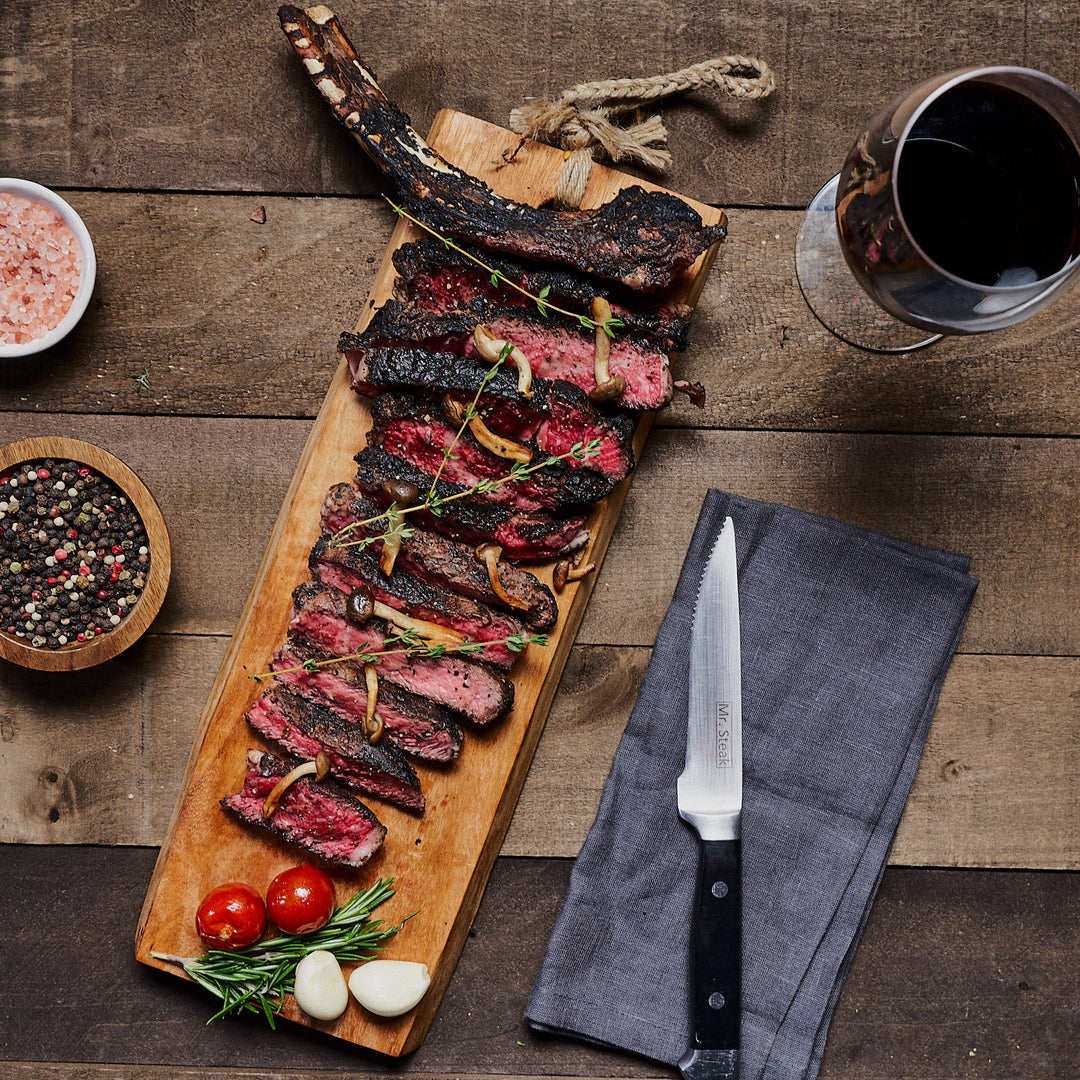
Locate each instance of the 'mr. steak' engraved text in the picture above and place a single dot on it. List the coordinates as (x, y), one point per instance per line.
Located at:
(723, 735)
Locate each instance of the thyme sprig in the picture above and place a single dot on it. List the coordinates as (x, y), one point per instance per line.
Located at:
(580, 451)
(498, 278)
(256, 979)
(409, 643)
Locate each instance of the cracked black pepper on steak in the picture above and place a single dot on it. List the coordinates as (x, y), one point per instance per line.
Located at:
(74, 555)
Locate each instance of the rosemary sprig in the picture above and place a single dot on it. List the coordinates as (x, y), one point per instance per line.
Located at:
(256, 979)
(498, 278)
(409, 643)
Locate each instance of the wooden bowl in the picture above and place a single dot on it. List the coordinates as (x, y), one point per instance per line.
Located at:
(77, 655)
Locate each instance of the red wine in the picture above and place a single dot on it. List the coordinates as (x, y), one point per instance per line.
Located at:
(987, 183)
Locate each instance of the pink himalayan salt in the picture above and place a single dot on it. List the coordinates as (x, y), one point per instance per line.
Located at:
(40, 264)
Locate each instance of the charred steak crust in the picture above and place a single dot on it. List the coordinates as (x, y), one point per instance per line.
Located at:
(441, 561)
(558, 416)
(554, 351)
(410, 428)
(525, 537)
(470, 688)
(435, 276)
(303, 728)
(350, 568)
(640, 238)
(415, 724)
(322, 818)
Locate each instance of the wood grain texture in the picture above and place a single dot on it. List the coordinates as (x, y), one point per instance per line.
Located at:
(93, 761)
(446, 854)
(216, 315)
(1011, 503)
(957, 974)
(102, 99)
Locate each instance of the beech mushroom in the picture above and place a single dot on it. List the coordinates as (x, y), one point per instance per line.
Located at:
(362, 605)
(373, 725)
(319, 768)
(404, 494)
(565, 571)
(608, 387)
(497, 444)
(489, 554)
(495, 349)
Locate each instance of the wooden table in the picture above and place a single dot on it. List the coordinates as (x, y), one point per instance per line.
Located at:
(208, 349)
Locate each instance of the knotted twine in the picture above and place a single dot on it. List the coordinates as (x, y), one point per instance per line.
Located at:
(581, 119)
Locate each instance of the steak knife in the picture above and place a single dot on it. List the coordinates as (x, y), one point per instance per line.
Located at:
(710, 799)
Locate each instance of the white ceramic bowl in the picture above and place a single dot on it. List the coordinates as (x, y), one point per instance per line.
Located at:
(28, 189)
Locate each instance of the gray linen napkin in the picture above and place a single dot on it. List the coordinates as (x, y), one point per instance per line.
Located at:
(846, 638)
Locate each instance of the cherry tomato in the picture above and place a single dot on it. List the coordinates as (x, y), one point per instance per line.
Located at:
(300, 900)
(231, 916)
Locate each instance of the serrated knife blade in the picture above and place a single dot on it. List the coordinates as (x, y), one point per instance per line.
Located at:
(710, 799)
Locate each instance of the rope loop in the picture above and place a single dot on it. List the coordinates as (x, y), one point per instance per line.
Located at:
(581, 120)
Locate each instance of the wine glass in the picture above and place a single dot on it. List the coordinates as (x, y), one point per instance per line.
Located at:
(957, 211)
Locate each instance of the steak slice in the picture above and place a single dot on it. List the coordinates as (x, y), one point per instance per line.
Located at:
(303, 728)
(556, 418)
(464, 685)
(414, 724)
(349, 568)
(410, 428)
(641, 238)
(437, 277)
(439, 560)
(553, 350)
(523, 536)
(322, 818)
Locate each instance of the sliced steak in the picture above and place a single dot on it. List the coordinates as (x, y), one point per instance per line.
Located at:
(556, 418)
(554, 350)
(303, 728)
(466, 686)
(641, 238)
(322, 818)
(439, 560)
(523, 536)
(434, 276)
(414, 724)
(411, 428)
(349, 568)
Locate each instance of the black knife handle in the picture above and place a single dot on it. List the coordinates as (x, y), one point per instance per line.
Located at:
(716, 942)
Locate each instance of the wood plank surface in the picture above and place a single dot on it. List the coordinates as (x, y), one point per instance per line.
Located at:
(97, 761)
(200, 311)
(1011, 503)
(203, 363)
(110, 100)
(958, 974)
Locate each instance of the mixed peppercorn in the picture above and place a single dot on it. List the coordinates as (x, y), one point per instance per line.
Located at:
(74, 555)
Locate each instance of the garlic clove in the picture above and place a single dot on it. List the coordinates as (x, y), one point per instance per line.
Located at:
(319, 986)
(389, 987)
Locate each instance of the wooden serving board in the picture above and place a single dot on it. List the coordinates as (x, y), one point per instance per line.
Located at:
(440, 861)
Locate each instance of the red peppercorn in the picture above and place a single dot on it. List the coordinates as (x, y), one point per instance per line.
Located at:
(117, 549)
(73, 534)
(43, 474)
